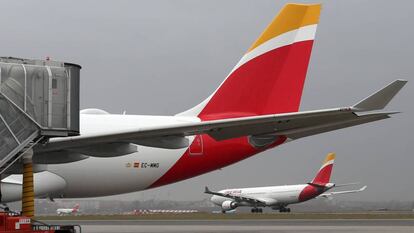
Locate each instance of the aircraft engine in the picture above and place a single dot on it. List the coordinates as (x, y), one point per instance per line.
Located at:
(229, 205)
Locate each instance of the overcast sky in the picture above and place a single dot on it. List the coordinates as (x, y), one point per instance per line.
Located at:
(163, 57)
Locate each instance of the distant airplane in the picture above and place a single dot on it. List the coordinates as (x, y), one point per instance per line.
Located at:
(255, 109)
(70, 211)
(279, 197)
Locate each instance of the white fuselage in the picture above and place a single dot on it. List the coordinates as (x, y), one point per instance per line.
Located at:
(271, 195)
(96, 176)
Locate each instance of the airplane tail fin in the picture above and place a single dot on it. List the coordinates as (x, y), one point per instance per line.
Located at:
(76, 207)
(324, 174)
(270, 77)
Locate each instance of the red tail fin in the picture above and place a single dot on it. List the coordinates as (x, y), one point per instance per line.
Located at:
(324, 174)
(270, 76)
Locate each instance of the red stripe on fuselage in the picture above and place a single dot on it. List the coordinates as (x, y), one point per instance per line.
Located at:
(309, 192)
(215, 155)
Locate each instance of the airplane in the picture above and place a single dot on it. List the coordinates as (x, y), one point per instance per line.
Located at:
(279, 197)
(227, 212)
(255, 108)
(70, 211)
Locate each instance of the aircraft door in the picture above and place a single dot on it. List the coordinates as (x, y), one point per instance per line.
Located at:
(197, 147)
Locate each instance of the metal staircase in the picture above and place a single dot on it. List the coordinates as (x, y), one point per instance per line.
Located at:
(17, 131)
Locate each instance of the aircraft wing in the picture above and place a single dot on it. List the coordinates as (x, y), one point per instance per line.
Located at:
(237, 198)
(330, 194)
(292, 125)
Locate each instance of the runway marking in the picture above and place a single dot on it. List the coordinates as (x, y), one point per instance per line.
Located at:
(218, 220)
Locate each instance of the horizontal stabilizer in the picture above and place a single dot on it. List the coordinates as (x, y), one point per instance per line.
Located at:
(381, 98)
(349, 191)
(317, 185)
(331, 194)
(347, 184)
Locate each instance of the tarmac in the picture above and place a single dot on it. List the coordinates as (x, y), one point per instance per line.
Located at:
(245, 226)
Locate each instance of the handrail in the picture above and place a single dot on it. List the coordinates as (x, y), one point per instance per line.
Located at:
(19, 155)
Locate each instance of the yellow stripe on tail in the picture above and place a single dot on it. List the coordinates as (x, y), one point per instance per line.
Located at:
(291, 17)
(329, 157)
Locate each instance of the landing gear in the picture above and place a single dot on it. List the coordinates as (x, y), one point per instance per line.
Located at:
(284, 209)
(257, 210)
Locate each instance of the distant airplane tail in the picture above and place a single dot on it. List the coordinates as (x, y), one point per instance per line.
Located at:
(270, 77)
(76, 208)
(324, 174)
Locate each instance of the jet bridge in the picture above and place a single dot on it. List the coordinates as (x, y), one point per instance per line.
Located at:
(39, 99)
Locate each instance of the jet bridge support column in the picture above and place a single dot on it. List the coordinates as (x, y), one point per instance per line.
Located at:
(28, 187)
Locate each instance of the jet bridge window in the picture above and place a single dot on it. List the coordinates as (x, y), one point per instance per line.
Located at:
(54, 83)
